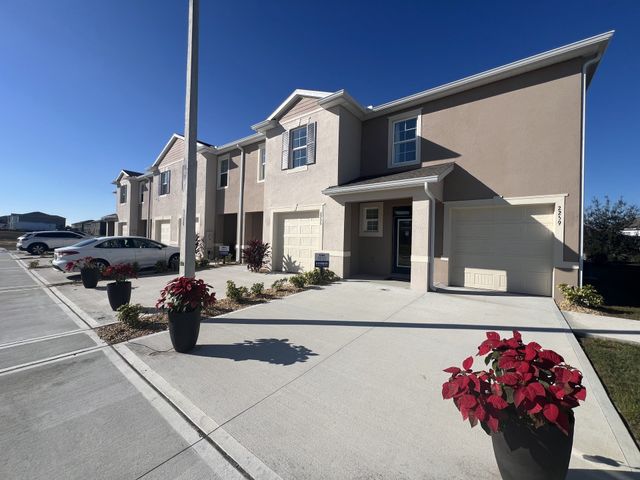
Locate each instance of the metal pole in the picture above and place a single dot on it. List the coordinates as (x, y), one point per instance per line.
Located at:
(187, 233)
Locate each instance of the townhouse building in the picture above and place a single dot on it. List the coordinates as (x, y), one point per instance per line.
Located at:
(476, 183)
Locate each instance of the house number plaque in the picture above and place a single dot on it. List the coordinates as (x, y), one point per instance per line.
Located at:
(559, 215)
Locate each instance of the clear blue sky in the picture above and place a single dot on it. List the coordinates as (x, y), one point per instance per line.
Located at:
(88, 87)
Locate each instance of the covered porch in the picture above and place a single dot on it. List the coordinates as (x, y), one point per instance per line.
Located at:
(391, 217)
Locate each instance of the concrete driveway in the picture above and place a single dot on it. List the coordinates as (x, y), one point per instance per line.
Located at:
(71, 407)
(345, 382)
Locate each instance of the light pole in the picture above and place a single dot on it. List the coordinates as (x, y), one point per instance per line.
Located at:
(187, 232)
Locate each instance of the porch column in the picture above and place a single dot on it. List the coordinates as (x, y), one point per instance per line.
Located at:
(336, 234)
(419, 241)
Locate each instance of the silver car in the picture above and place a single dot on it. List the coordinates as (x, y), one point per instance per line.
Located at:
(113, 250)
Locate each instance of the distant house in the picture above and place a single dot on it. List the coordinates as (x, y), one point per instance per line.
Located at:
(35, 221)
(633, 230)
(110, 223)
(96, 228)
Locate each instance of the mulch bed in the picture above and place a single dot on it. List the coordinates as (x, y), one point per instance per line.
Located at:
(564, 305)
(157, 322)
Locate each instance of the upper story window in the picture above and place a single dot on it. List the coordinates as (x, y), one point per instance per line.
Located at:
(165, 182)
(123, 194)
(142, 187)
(299, 146)
(262, 162)
(404, 139)
(223, 172)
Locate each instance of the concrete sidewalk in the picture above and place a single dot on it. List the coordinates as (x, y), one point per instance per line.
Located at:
(71, 407)
(612, 328)
(345, 382)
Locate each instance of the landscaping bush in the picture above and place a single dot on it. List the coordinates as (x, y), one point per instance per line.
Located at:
(279, 284)
(585, 296)
(130, 314)
(161, 266)
(319, 277)
(298, 281)
(202, 262)
(256, 254)
(237, 294)
(257, 289)
(34, 263)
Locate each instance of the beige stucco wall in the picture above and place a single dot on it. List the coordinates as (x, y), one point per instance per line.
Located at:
(129, 211)
(169, 206)
(516, 137)
(292, 190)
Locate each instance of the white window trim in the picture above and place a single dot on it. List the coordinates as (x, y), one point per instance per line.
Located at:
(417, 114)
(363, 219)
(292, 149)
(168, 184)
(261, 149)
(221, 159)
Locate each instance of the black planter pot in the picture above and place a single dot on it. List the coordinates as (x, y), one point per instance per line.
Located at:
(118, 293)
(90, 277)
(524, 453)
(184, 328)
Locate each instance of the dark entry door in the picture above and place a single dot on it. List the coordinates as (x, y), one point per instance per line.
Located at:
(402, 241)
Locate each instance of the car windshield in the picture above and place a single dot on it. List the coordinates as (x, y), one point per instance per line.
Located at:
(84, 243)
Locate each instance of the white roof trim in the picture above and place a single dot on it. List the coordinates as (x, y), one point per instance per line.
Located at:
(297, 93)
(248, 140)
(390, 185)
(167, 147)
(586, 48)
(342, 97)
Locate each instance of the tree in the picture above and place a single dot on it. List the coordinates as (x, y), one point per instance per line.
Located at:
(603, 225)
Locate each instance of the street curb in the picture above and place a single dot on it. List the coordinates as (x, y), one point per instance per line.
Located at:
(246, 461)
(622, 435)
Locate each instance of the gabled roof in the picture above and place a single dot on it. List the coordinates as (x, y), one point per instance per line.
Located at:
(297, 94)
(128, 173)
(131, 173)
(589, 48)
(172, 140)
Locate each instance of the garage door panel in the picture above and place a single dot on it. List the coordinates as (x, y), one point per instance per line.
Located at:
(503, 248)
(299, 239)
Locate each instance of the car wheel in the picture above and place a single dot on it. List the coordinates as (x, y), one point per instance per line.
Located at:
(101, 264)
(174, 261)
(37, 248)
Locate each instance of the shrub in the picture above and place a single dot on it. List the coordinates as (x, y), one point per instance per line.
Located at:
(298, 281)
(256, 254)
(130, 314)
(200, 251)
(202, 262)
(234, 293)
(85, 263)
(525, 384)
(279, 284)
(161, 266)
(257, 289)
(184, 294)
(34, 263)
(319, 277)
(585, 296)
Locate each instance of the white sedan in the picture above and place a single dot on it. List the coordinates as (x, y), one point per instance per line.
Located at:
(113, 250)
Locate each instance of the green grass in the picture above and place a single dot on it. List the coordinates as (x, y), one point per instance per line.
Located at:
(618, 366)
(630, 313)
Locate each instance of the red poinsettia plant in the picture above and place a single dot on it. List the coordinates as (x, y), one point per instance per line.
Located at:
(184, 294)
(525, 383)
(85, 263)
(120, 272)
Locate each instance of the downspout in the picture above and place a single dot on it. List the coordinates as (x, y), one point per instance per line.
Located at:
(149, 189)
(585, 66)
(432, 236)
(240, 220)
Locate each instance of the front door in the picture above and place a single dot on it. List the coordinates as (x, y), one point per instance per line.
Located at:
(402, 241)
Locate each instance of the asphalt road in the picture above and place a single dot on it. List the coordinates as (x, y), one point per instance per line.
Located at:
(72, 408)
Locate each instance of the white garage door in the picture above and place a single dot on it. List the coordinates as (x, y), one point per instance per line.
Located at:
(164, 232)
(503, 248)
(298, 240)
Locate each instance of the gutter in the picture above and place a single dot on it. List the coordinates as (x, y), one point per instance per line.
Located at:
(240, 217)
(585, 67)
